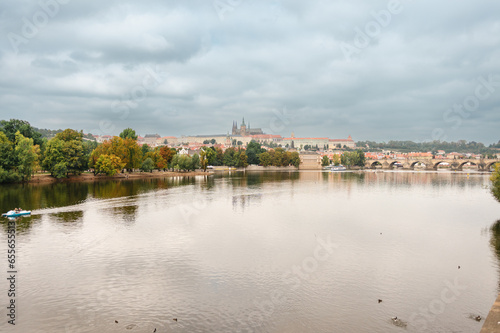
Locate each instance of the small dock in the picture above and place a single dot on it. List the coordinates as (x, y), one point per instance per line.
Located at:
(492, 322)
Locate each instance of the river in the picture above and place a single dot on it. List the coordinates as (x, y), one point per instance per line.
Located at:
(254, 252)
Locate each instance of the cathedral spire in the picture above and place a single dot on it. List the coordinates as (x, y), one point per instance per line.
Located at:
(243, 122)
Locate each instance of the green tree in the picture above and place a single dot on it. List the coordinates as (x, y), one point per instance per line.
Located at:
(295, 159)
(9, 176)
(147, 165)
(325, 161)
(219, 157)
(128, 133)
(495, 179)
(278, 157)
(8, 159)
(53, 155)
(108, 164)
(145, 149)
(265, 159)
(253, 150)
(27, 157)
(60, 170)
(67, 148)
(195, 162)
(175, 162)
(88, 148)
(354, 158)
(242, 160)
(11, 127)
(336, 159)
(134, 154)
(206, 155)
(228, 158)
(361, 157)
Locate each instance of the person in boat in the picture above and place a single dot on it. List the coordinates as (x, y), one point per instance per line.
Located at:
(16, 210)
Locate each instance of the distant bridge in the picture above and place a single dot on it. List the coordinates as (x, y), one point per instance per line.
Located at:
(431, 163)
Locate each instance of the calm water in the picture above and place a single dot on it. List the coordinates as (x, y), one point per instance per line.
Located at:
(275, 252)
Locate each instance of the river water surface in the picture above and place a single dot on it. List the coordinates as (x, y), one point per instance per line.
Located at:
(254, 252)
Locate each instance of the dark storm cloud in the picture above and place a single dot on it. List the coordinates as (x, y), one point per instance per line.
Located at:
(377, 70)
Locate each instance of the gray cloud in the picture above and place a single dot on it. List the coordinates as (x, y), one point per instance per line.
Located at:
(178, 67)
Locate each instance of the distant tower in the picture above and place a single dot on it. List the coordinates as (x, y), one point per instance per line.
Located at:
(235, 127)
(293, 135)
(243, 128)
(228, 140)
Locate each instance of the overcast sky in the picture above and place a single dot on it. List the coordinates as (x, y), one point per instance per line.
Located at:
(376, 70)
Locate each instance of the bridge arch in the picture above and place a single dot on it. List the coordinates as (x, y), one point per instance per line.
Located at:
(414, 163)
(437, 163)
(392, 165)
(374, 164)
(461, 165)
(491, 165)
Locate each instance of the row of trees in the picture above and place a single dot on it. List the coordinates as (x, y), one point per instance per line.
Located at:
(495, 179)
(348, 159)
(123, 152)
(24, 151)
(18, 158)
(279, 157)
(460, 146)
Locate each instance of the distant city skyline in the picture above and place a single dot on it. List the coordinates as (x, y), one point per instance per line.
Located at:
(379, 71)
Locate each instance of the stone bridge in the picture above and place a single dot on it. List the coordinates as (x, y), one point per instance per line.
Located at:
(431, 163)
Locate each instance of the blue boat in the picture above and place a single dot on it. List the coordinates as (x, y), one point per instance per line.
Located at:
(12, 213)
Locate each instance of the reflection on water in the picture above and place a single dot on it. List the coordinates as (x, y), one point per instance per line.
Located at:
(495, 238)
(253, 252)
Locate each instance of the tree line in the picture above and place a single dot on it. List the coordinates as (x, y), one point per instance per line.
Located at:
(347, 159)
(495, 180)
(460, 146)
(24, 151)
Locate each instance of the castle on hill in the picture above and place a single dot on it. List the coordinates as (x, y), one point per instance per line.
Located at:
(244, 130)
(245, 134)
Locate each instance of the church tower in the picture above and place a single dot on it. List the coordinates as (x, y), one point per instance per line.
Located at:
(235, 128)
(243, 128)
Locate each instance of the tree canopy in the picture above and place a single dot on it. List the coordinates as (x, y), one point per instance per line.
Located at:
(461, 146)
(128, 133)
(11, 127)
(495, 179)
(354, 158)
(65, 154)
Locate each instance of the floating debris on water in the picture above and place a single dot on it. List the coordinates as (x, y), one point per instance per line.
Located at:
(475, 317)
(398, 322)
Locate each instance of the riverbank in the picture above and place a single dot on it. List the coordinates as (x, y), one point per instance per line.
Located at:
(89, 177)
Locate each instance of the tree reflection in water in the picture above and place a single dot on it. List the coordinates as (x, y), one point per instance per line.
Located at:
(495, 238)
